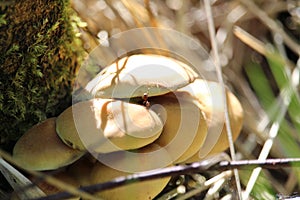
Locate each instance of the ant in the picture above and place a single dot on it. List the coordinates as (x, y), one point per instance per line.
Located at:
(146, 103)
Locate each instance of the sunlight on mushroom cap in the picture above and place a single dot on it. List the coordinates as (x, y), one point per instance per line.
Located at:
(106, 125)
(134, 75)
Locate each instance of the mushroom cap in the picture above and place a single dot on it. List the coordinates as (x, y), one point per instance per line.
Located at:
(147, 158)
(137, 191)
(236, 122)
(106, 125)
(211, 101)
(62, 176)
(81, 169)
(138, 74)
(185, 126)
(41, 149)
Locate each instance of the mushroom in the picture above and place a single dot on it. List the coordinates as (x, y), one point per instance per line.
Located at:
(135, 75)
(41, 149)
(63, 176)
(211, 102)
(81, 169)
(235, 111)
(106, 125)
(185, 126)
(139, 190)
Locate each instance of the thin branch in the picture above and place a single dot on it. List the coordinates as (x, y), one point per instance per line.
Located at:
(197, 167)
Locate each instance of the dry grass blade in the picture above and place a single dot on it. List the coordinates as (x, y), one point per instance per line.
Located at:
(285, 101)
(19, 181)
(220, 177)
(211, 28)
(250, 40)
(271, 24)
(263, 155)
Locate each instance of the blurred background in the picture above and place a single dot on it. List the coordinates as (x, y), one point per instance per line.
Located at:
(259, 47)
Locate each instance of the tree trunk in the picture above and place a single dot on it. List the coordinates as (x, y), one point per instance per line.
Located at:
(39, 57)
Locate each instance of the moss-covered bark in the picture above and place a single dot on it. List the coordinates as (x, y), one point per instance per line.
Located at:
(39, 56)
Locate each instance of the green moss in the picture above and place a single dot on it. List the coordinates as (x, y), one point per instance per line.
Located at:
(39, 57)
(2, 20)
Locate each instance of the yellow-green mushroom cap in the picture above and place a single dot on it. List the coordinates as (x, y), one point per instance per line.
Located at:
(236, 116)
(211, 102)
(185, 126)
(138, 74)
(41, 149)
(137, 191)
(107, 125)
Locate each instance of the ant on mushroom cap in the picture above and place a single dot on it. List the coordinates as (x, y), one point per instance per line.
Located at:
(146, 103)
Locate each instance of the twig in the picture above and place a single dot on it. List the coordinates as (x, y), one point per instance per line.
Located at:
(267, 164)
(197, 167)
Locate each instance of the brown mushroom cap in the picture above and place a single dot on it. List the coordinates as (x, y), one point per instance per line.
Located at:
(185, 127)
(137, 191)
(106, 125)
(209, 95)
(138, 74)
(41, 149)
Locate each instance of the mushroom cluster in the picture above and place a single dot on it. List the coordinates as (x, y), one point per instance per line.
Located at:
(147, 111)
